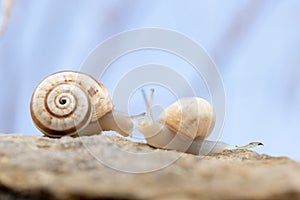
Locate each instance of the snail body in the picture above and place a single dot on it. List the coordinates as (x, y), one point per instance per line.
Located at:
(183, 126)
(72, 103)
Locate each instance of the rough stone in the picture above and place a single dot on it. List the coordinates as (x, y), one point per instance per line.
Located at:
(35, 167)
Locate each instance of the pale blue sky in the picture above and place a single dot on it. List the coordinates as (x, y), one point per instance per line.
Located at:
(255, 44)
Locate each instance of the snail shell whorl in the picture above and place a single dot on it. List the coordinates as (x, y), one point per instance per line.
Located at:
(66, 102)
(191, 117)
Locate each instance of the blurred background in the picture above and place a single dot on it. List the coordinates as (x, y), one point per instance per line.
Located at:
(254, 43)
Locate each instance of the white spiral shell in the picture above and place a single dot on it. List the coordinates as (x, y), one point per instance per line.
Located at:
(66, 102)
(191, 117)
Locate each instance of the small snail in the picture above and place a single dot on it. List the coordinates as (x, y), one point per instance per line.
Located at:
(183, 126)
(71, 103)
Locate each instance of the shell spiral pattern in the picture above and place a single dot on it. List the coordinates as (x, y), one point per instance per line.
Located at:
(65, 103)
(191, 117)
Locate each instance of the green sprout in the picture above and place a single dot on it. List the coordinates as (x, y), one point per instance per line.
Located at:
(250, 145)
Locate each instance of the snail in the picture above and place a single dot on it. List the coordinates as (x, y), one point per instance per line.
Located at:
(69, 103)
(183, 126)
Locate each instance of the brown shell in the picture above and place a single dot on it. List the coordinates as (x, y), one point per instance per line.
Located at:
(66, 102)
(191, 117)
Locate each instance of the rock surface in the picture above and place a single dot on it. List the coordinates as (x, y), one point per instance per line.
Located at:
(34, 167)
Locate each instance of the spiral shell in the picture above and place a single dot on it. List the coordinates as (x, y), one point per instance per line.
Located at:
(66, 102)
(191, 117)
